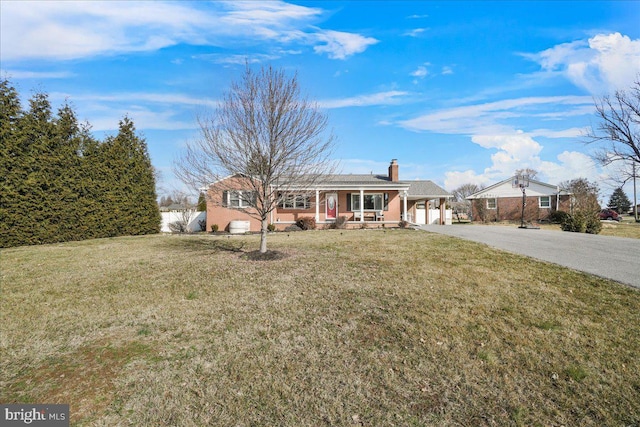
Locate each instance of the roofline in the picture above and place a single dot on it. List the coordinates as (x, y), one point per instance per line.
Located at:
(472, 196)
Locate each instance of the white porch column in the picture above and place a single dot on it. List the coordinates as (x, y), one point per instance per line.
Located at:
(317, 205)
(361, 205)
(404, 206)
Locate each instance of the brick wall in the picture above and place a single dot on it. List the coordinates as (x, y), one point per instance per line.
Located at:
(510, 209)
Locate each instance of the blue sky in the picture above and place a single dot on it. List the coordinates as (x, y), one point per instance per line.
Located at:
(458, 92)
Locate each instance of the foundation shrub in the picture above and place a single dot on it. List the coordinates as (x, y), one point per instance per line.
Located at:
(558, 217)
(306, 223)
(582, 222)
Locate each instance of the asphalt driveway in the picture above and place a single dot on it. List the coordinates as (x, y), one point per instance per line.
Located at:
(614, 258)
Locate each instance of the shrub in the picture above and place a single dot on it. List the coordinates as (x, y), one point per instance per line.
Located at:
(593, 225)
(582, 222)
(403, 224)
(214, 228)
(341, 222)
(202, 224)
(293, 227)
(306, 223)
(271, 227)
(574, 223)
(178, 227)
(558, 217)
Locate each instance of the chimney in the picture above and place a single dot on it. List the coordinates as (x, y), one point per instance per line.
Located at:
(393, 170)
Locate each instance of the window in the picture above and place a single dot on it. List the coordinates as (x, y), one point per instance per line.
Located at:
(295, 201)
(238, 199)
(371, 202)
(544, 202)
(492, 203)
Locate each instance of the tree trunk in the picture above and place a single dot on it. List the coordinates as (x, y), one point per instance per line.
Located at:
(263, 236)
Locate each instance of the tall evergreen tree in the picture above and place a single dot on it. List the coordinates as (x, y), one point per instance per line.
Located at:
(132, 199)
(66, 155)
(202, 203)
(619, 201)
(11, 177)
(35, 137)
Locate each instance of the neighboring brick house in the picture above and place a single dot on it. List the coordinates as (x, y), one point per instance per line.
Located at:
(503, 202)
(364, 199)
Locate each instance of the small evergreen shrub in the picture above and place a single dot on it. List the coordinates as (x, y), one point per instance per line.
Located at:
(593, 225)
(306, 223)
(271, 227)
(582, 222)
(574, 223)
(214, 228)
(558, 217)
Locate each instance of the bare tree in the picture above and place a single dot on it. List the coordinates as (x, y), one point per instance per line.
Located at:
(531, 173)
(619, 130)
(584, 195)
(460, 194)
(619, 127)
(266, 136)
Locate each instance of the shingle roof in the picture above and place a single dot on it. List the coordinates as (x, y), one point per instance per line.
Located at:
(358, 179)
(426, 189)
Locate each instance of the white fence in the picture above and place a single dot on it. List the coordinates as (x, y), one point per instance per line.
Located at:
(191, 217)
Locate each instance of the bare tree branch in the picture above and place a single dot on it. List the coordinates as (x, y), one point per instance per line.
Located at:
(619, 127)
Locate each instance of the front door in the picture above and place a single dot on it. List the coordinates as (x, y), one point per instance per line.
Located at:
(331, 206)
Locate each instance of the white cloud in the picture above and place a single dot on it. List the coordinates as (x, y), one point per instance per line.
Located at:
(492, 126)
(60, 30)
(380, 98)
(415, 32)
(601, 64)
(421, 71)
(236, 59)
(137, 97)
(340, 45)
(446, 70)
(492, 117)
(454, 179)
(22, 74)
(519, 151)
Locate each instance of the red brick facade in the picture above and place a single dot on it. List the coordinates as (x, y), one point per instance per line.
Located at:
(510, 208)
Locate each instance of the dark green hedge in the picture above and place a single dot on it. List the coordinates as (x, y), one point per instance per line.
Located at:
(58, 183)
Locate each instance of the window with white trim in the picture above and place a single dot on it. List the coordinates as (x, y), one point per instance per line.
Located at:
(295, 201)
(544, 202)
(238, 199)
(492, 203)
(371, 201)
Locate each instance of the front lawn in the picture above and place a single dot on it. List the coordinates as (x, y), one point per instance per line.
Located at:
(360, 327)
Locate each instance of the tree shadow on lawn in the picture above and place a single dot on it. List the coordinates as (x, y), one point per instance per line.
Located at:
(224, 245)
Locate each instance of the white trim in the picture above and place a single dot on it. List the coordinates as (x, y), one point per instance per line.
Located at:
(540, 202)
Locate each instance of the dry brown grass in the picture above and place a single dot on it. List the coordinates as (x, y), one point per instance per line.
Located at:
(357, 327)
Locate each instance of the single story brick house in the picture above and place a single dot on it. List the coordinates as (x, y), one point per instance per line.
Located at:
(374, 200)
(503, 202)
